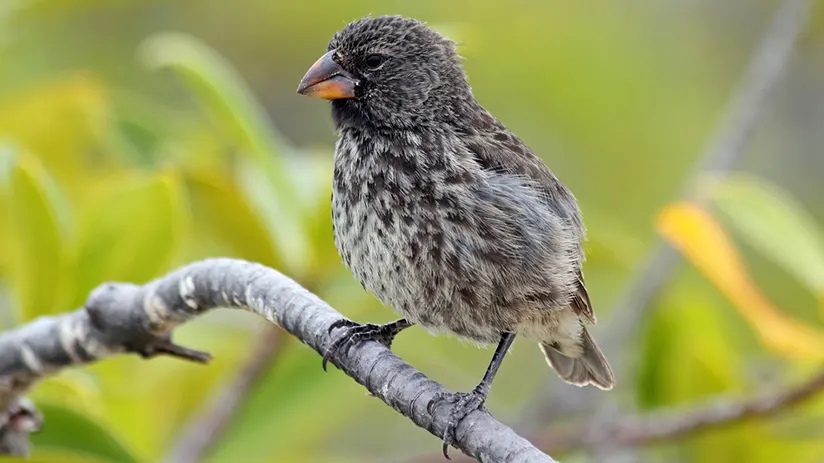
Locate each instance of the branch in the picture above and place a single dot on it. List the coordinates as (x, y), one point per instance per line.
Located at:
(659, 426)
(122, 318)
(670, 424)
(207, 426)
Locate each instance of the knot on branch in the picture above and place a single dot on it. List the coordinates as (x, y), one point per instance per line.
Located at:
(118, 313)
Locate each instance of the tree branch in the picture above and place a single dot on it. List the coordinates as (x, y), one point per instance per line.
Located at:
(663, 425)
(122, 317)
(670, 424)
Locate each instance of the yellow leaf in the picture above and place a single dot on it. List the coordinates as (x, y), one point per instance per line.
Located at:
(696, 234)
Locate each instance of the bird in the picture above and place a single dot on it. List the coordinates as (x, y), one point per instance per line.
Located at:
(444, 214)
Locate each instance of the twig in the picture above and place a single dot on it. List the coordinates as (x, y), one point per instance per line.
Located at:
(721, 155)
(671, 424)
(205, 427)
(122, 317)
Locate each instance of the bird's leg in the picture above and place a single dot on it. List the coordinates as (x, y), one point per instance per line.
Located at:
(465, 403)
(354, 333)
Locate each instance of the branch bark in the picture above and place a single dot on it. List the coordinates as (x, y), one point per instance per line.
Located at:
(626, 432)
(121, 318)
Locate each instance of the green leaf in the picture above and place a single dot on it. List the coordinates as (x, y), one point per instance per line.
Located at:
(40, 226)
(132, 233)
(8, 9)
(288, 232)
(66, 429)
(772, 222)
(674, 367)
(223, 94)
(6, 245)
(223, 210)
(72, 387)
(229, 102)
(55, 456)
(6, 160)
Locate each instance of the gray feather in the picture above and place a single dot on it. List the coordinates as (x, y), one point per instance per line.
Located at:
(590, 368)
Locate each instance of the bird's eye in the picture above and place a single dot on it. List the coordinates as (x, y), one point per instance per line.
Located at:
(373, 61)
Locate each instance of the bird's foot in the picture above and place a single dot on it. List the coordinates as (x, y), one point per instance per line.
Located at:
(355, 333)
(463, 403)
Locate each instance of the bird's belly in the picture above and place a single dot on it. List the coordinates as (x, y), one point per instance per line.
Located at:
(401, 265)
(380, 254)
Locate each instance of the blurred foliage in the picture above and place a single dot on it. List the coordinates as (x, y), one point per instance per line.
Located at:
(127, 150)
(704, 243)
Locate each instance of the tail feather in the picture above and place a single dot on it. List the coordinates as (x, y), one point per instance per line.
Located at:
(590, 368)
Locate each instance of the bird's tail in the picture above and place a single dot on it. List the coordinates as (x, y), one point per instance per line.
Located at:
(591, 367)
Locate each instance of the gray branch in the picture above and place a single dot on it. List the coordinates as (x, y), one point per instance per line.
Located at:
(124, 318)
(623, 433)
(683, 421)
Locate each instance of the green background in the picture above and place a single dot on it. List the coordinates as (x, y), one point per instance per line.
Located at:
(136, 136)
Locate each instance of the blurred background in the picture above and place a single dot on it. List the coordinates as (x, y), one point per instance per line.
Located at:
(137, 136)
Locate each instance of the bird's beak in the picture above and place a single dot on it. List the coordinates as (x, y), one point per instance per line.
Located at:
(327, 80)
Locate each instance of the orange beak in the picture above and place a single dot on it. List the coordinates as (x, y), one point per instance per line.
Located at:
(327, 80)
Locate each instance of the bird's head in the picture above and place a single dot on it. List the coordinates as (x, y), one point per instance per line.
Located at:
(388, 71)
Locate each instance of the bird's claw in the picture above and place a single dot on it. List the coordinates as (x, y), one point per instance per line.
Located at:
(355, 333)
(463, 403)
(341, 323)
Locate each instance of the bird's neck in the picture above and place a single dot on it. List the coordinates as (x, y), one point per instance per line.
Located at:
(376, 140)
(410, 154)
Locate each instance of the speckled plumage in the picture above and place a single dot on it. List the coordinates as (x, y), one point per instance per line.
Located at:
(443, 213)
(452, 246)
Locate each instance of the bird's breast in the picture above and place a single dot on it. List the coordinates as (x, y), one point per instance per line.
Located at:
(390, 216)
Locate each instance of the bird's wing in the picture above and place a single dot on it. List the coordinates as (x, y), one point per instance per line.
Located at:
(580, 300)
(496, 148)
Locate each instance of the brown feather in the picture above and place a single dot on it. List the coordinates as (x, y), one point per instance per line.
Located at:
(580, 301)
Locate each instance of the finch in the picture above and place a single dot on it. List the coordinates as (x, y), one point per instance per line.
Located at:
(444, 214)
